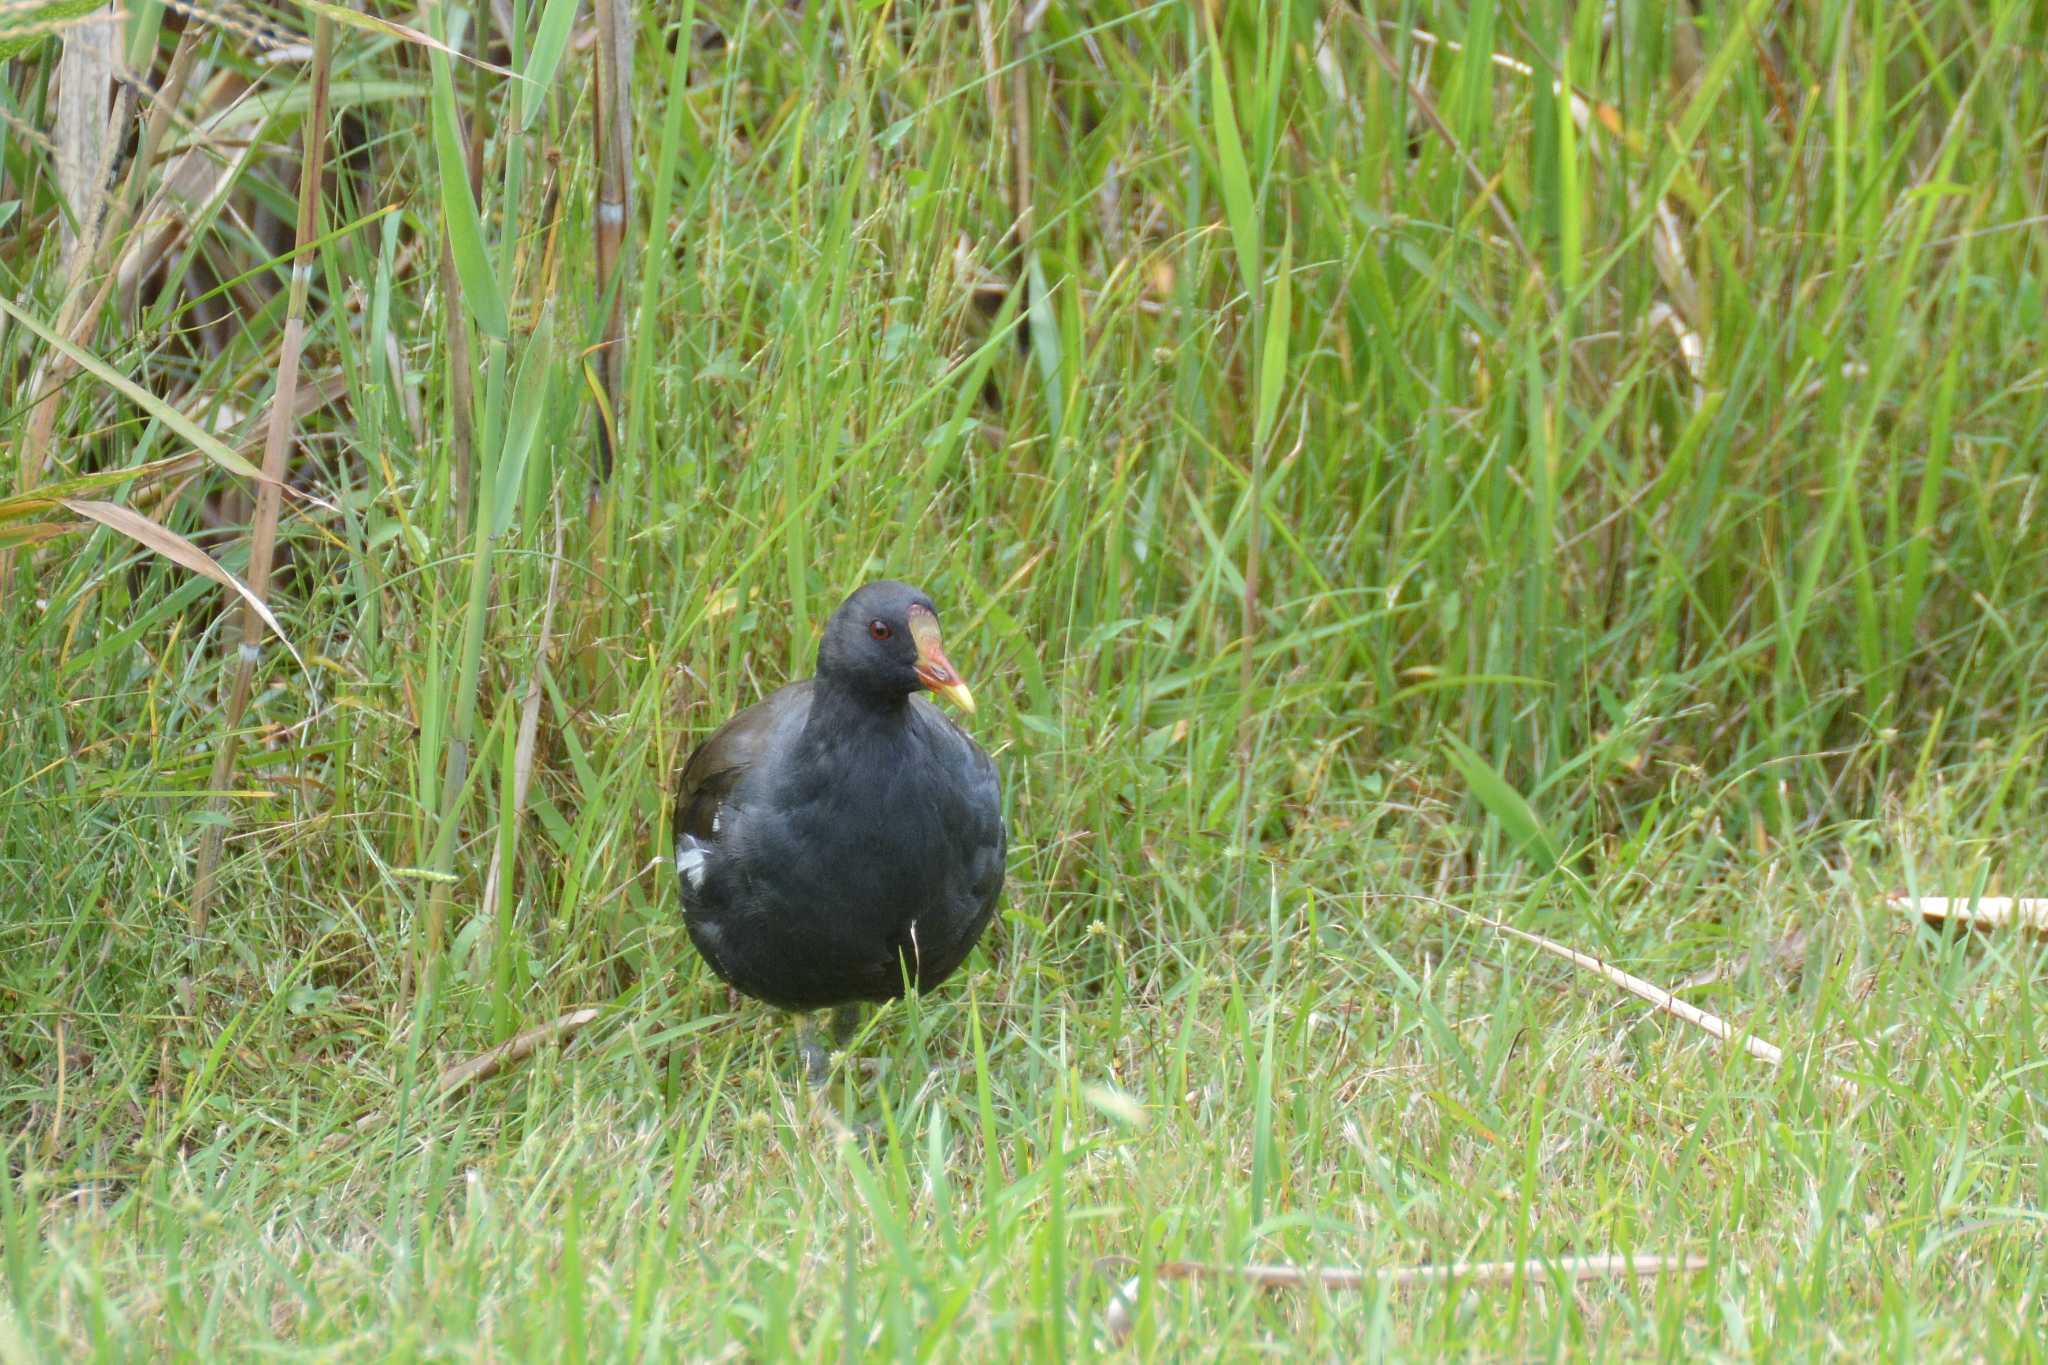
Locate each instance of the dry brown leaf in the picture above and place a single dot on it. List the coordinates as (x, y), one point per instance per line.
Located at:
(391, 28)
(155, 536)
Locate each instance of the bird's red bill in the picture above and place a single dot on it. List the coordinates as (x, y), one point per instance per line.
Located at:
(934, 669)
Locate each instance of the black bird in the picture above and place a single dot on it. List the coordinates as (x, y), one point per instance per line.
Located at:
(843, 838)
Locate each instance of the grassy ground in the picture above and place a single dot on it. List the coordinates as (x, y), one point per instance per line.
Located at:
(1360, 505)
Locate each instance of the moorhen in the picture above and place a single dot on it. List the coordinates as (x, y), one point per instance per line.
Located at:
(843, 838)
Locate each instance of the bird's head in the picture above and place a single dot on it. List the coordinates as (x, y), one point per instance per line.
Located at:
(884, 640)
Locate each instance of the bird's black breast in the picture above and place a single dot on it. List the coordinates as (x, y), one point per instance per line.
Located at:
(838, 862)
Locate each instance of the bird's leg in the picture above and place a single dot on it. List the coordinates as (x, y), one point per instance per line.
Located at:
(812, 1052)
(845, 1023)
(811, 1049)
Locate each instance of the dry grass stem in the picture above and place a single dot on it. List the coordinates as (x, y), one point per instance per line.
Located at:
(283, 423)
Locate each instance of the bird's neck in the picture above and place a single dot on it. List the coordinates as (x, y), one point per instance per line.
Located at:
(845, 716)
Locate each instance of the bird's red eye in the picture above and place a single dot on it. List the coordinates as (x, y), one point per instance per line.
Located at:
(880, 630)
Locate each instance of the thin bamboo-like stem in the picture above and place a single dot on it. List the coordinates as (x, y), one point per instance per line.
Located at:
(87, 149)
(461, 368)
(263, 534)
(1021, 151)
(461, 387)
(614, 208)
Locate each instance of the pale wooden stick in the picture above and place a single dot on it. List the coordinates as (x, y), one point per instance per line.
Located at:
(484, 1065)
(487, 1064)
(1981, 912)
(1655, 994)
(1658, 996)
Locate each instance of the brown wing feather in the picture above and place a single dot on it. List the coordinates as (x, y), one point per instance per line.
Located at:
(717, 765)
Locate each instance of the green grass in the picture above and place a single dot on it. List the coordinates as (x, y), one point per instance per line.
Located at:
(1685, 667)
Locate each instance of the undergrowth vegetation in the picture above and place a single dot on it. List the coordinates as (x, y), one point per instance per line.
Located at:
(1384, 471)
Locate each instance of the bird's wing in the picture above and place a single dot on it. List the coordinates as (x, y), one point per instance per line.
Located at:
(720, 762)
